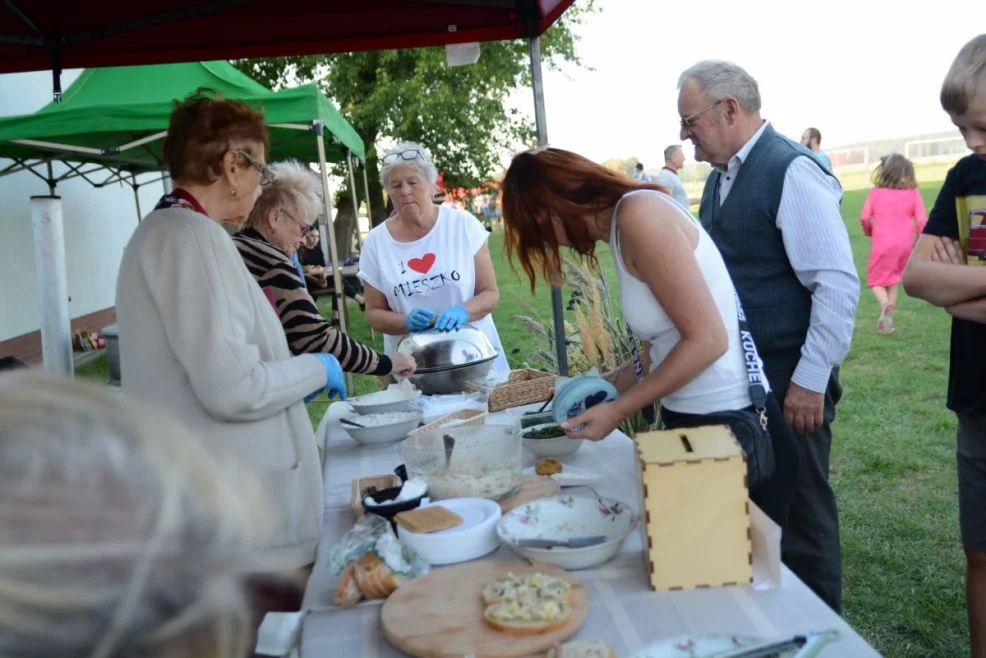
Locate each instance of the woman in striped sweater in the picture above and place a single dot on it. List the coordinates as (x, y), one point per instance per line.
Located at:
(281, 219)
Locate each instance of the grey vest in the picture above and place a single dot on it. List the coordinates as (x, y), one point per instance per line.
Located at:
(744, 228)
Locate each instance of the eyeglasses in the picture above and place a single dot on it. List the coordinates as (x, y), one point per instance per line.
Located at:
(408, 154)
(305, 228)
(266, 175)
(690, 120)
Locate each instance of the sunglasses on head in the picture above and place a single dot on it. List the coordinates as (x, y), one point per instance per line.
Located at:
(408, 154)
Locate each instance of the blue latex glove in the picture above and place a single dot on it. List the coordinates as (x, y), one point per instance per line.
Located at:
(335, 381)
(419, 319)
(452, 318)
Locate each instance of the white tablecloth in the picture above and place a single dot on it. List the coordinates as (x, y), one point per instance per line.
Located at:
(624, 612)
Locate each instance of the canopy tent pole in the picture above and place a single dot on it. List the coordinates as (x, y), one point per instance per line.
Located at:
(49, 260)
(352, 190)
(369, 210)
(134, 185)
(542, 128)
(339, 295)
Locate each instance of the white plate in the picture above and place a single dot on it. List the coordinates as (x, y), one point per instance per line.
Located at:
(699, 646)
(474, 537)
(571, 476)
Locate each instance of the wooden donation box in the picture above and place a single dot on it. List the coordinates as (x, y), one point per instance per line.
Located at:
(696, 511)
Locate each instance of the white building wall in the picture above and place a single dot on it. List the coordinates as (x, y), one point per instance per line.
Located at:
(98, 224)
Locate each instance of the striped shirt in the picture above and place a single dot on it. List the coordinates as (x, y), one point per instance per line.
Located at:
(306, 330)
(817, 244)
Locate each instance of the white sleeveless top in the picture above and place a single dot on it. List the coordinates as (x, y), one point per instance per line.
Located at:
(724, 384)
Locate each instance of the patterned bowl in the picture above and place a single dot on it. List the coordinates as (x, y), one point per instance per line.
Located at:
(565, 517)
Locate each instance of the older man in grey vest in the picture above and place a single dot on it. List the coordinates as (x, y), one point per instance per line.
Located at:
(773, 211)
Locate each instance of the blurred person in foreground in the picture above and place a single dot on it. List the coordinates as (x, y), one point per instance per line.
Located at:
(278, 226)
(121, 535)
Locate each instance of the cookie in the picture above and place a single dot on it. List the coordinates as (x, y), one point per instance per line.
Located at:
(428, 519)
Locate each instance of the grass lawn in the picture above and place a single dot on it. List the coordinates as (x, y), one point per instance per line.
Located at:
(893, 465)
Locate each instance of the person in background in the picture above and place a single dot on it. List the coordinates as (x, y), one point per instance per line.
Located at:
(812, 139)
(773, 211)
(199, 338)
(639, 173)
(428, 265)
(946, 270)
(893, 217)
(317, 275)
(279, 224)
(121, 535)
(674, 160)
(674, 290)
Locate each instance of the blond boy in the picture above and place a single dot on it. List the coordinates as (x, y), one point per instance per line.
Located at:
(946, 269)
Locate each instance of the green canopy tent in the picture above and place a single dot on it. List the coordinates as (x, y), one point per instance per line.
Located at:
(109, 127)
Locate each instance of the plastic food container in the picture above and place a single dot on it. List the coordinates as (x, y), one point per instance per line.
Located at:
(485, 461)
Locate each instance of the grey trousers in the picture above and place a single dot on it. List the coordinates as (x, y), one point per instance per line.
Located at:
(810, 545)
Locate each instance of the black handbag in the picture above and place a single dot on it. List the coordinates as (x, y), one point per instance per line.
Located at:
(749, 424)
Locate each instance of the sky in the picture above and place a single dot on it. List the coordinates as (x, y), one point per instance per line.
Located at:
(857, 71)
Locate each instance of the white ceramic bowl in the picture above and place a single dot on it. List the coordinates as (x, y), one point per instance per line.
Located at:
(564, 517)
(380, 428)
(474, 538)
(380, 402)
(561, 446)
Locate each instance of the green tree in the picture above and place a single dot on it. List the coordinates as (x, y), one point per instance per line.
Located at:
(460, 114)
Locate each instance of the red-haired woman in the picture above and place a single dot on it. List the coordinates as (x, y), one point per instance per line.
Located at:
(675, 293)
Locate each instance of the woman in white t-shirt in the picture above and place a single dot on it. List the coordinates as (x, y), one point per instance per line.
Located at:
(427, 265)
(675, 292)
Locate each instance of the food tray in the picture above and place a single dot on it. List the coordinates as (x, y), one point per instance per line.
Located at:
(525, 386)
(360, 486)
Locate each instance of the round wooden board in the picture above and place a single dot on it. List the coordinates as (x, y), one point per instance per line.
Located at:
(532, 487)
(441, 614)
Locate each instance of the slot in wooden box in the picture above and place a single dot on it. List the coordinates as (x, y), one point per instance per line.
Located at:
(696, 510)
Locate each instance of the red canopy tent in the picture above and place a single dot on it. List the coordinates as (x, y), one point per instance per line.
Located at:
(60, 34)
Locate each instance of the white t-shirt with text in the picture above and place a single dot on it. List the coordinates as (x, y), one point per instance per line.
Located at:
(436, 271)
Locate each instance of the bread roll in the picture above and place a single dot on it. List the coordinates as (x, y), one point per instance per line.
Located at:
(347, 592)
(374, 579)
(516, 626)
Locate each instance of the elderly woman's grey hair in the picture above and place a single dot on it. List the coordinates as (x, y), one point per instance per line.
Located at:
(295, 187)
(412, 155)
(719, 80)
(121, 534)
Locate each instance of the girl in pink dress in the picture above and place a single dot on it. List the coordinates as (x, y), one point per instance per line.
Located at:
(893, 216)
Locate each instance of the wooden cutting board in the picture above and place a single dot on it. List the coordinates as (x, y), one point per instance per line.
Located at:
(532, 487)
(441, 614)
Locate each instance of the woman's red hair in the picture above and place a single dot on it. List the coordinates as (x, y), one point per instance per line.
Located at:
(549, 182)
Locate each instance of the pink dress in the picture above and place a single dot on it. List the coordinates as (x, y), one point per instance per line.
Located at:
(894, 219)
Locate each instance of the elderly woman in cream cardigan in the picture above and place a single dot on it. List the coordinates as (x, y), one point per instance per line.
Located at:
(199, 338)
